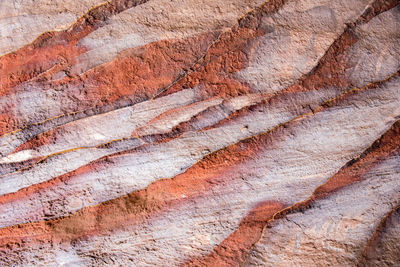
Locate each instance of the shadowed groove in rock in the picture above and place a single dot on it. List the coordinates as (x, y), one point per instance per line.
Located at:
(374, 251)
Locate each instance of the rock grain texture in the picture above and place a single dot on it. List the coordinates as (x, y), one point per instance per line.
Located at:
(200, 133)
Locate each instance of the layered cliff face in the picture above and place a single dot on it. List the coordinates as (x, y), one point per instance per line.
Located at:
(200, 133)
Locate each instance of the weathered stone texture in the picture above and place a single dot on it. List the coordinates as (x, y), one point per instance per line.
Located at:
(200, 133)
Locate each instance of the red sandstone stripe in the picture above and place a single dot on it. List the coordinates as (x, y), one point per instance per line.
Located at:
(228, 55)
(52, 48)
(330, 70)
(40, 140)
(381, 149)
(233, 250)
(136, 75)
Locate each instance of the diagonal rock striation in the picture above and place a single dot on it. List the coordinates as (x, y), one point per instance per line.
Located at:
(199, 133)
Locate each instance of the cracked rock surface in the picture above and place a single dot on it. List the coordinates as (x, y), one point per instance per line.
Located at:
(200, 133)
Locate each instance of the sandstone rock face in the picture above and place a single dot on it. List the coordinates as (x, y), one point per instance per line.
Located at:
(200, 133)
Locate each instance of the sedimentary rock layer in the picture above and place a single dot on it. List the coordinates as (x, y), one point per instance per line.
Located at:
(200, 133)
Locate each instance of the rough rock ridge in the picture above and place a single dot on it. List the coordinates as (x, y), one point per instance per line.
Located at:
(200, 133)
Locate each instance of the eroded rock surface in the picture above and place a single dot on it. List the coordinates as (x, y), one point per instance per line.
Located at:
(200, 133)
